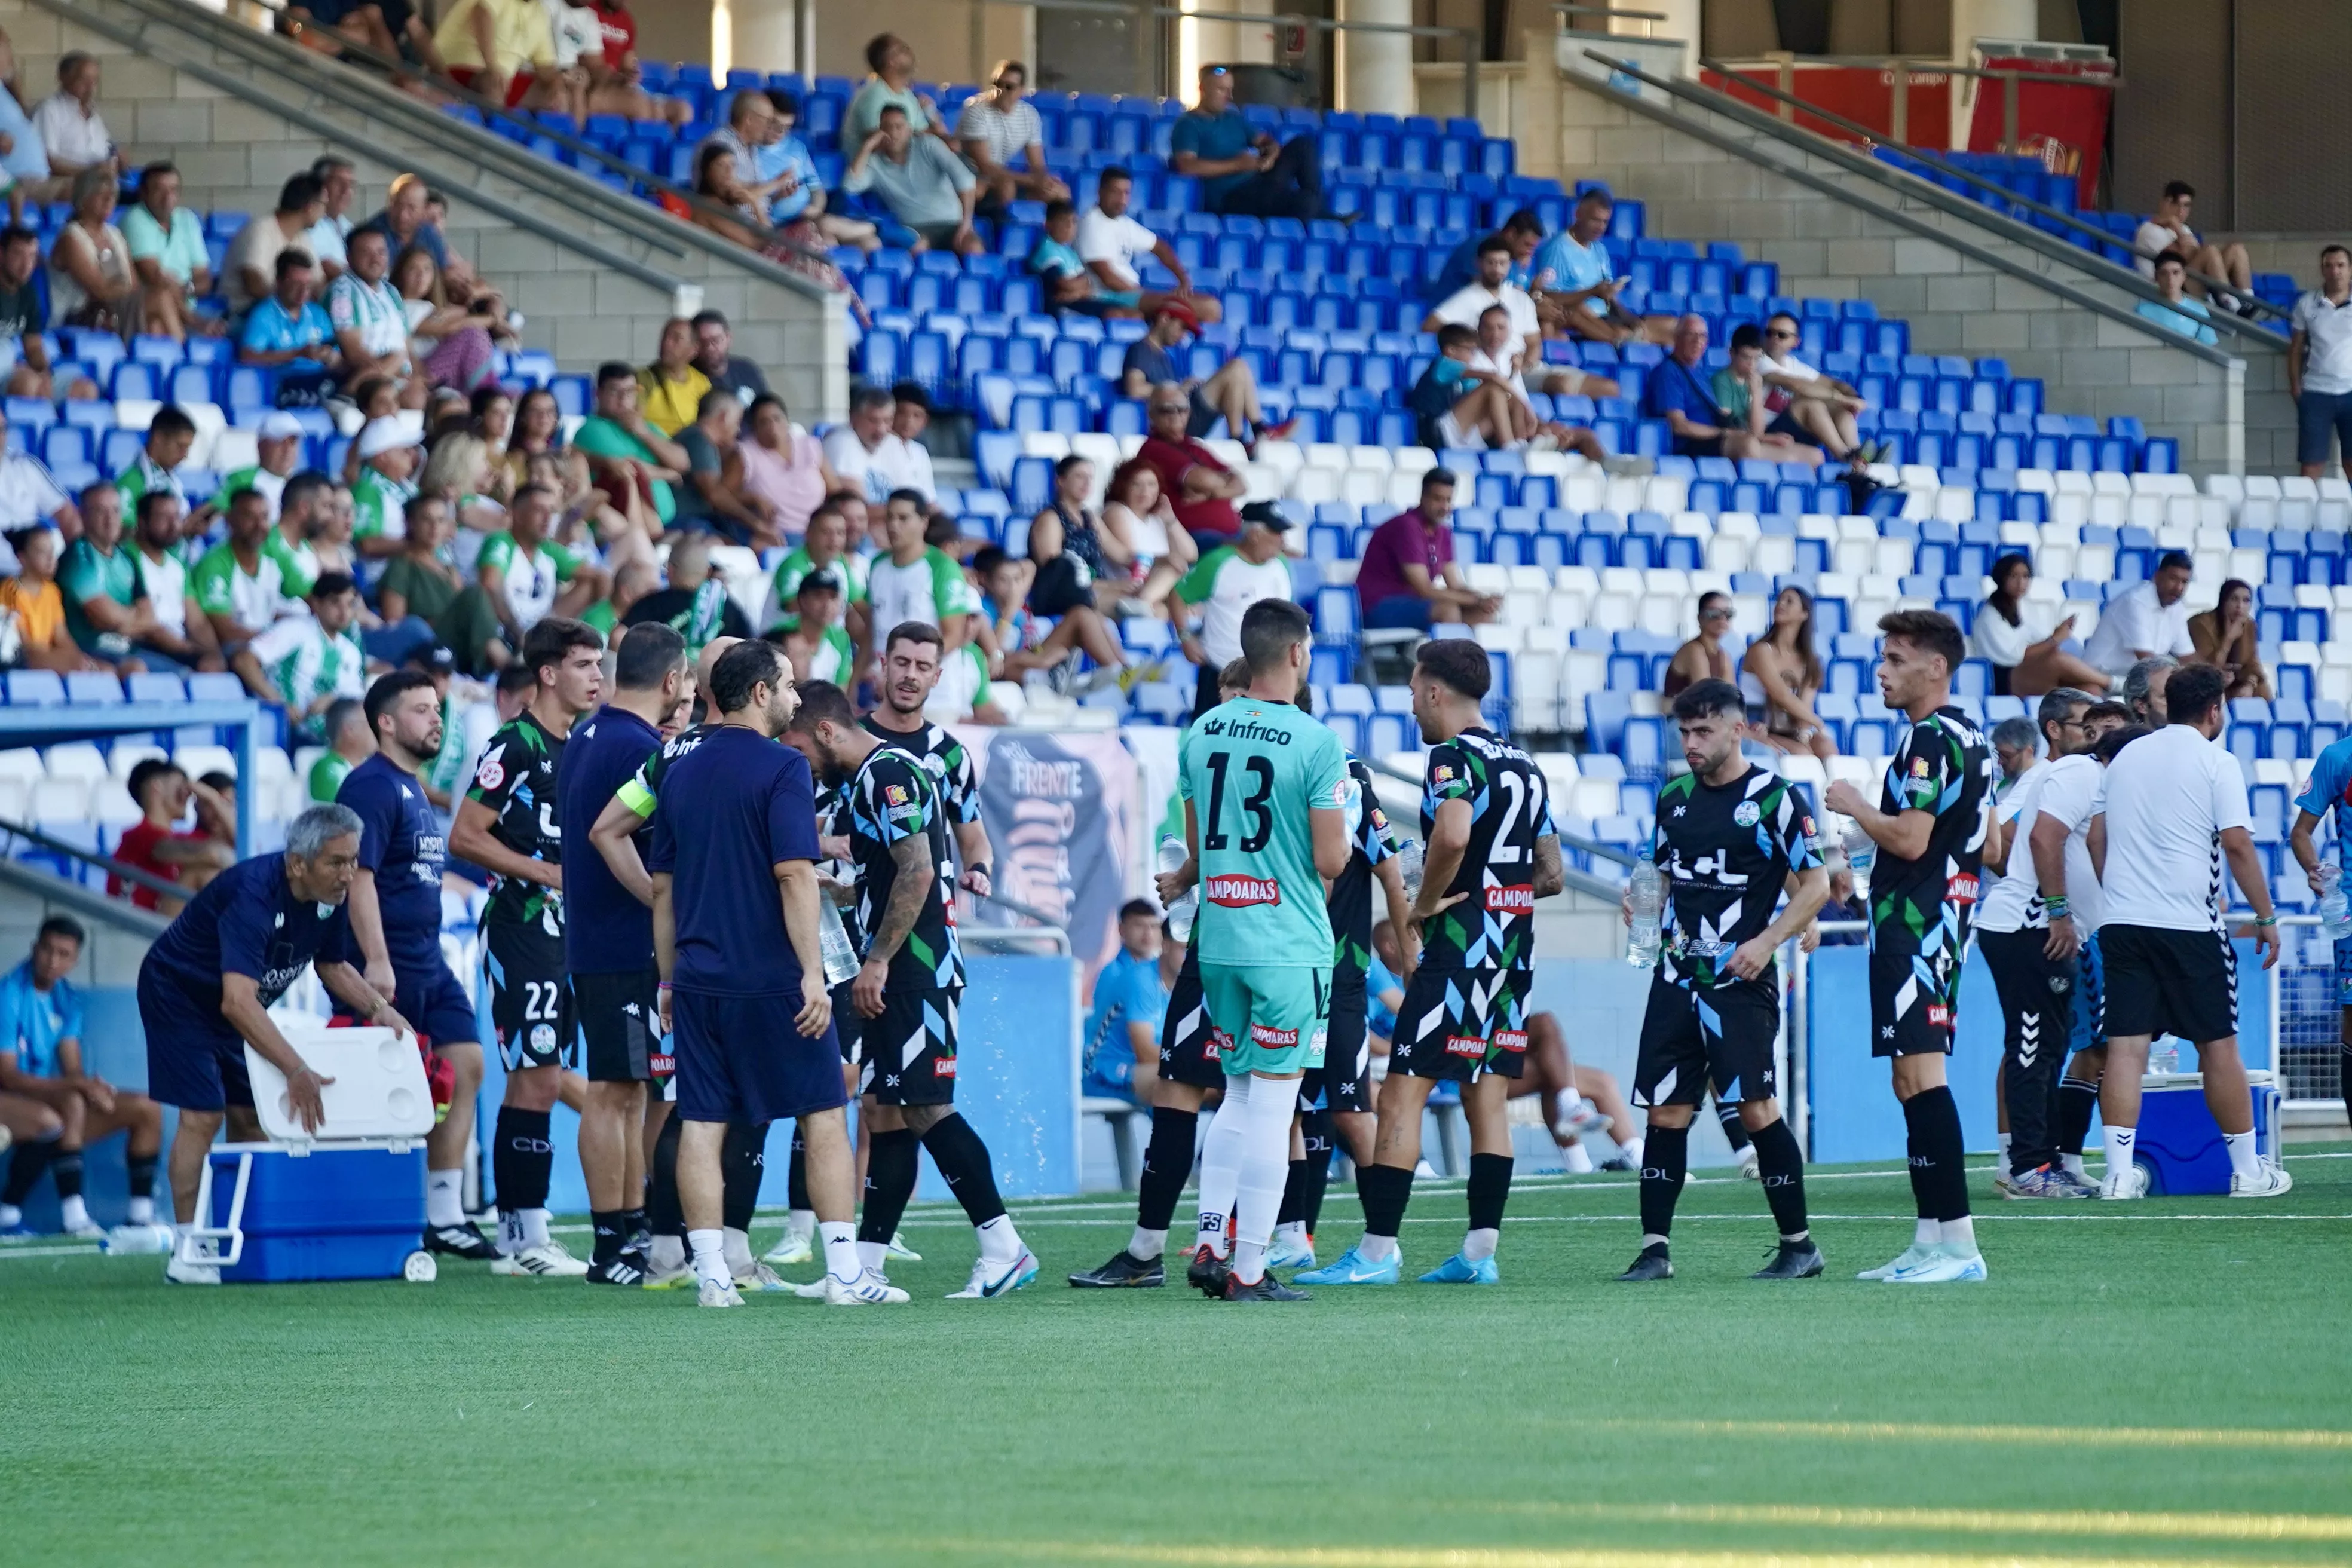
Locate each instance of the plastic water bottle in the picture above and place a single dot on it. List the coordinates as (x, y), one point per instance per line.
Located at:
(1410, 856)
(1860, 854)
(1646, 893)
(1173, 856)
(833, 942)
(2164, 1056)
(2335, 909)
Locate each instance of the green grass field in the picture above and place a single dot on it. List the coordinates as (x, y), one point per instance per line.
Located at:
(2169, 1381)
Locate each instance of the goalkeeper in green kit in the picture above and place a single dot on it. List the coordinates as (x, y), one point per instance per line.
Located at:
(1269, 814)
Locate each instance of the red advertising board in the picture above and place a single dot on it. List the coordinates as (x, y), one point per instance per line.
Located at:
(1860, 93)
(2066, 127)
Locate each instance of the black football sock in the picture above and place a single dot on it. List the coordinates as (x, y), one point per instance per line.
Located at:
(1665, 1160)
(1386, 1190)
(1735, 1132)
(662, 1212)
(2076, 1101)
(796, 1173)
(1939, 1168)
(742, 1162)
(1166, 1163)
(1294, 1195)
(142, 1174)
(67, 1168)
(25, 1164)
(1315, 1131)
(1781, 1165)
(611, 1232)
(889, 1182)
(1490, 1190)
(965, 1166)
(522, 1161)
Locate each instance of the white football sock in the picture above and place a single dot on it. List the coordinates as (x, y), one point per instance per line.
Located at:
(1479, 1243)
(2243, 1160)
(739, 1250)
(142, 1211)
(1961, 1235)
(1291, 1233)
(999, 1241)
(1267, 1113)
(800, 1223)
(1576, 1159)
(2002, 1140)
(73, 1212)
(710, 1257)
(1376, 1248)
(444, 1198)
(666, 1256)
(1146, 1245)
(1927, 1233)
(1221, 1164)
(534, 1227)
(870, 1254)
(510, 1239)
(2074, 1163)
(1632, 1149)
(841, 1259)
(2120, 1141)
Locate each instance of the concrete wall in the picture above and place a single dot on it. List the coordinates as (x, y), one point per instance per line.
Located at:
(237, 143)
(1964, 287)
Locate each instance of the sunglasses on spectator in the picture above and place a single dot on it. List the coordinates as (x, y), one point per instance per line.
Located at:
(1779, 332)
(1719, 614)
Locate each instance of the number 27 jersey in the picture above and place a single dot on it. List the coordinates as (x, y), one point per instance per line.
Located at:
(1253, 770)
(1493, 925)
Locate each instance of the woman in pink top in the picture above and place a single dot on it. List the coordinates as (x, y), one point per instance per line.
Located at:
(785, 468)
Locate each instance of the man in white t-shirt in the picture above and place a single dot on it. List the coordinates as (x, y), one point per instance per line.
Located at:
(1812, 406)
(2169, 229)
(1110, 243)
(867, 453)
(2151, 618)
(997, 128)
(1498, 355)
(2175, 811)
(2319, 365)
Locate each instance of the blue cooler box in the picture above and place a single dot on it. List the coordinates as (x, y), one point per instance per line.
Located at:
(344, 1214)
(2179, 1145)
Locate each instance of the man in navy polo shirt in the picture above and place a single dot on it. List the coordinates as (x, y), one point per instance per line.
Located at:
(396, 930)
(742, 974)
(608, 944)
(207, 984)
(1243, 171)
(1679, 391)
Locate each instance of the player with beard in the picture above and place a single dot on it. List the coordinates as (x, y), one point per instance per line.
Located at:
(910, 669)
(907, 989)
(395, 920)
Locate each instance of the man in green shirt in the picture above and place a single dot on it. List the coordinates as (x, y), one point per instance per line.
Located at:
(277, 449)
(106, 605)
(170, 437)
(308, 661)
(825, 547)
(302, 510)
(347, 745)
(244, 584)
(623, 450)
(528, 576)
(390, 454)
(166, 241)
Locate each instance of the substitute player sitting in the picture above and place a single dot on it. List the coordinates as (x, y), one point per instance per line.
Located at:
(1730, 837)
(208, 983)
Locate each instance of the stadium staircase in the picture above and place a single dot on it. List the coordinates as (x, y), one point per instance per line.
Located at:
(594, 270)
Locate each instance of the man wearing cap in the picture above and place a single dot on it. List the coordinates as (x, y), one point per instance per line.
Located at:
(1222, 586)
(278, 452)
(1231, 393)
(1200, 490)
(389, 457)
(288, 331)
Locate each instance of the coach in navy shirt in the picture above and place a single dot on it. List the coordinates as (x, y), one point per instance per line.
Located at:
(207, 984)
(608, 936)
(742, 976)
(396, 928)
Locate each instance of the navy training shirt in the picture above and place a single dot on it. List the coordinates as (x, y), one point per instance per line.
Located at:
(732, 808)
(246, 921)
(605, 930)
(401, 842)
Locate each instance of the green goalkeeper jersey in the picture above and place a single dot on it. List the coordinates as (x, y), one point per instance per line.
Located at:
(1252, 771)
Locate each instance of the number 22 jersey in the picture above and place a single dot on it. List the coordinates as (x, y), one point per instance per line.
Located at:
(1493, 925)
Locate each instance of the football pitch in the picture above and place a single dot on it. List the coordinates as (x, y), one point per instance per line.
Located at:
(2167, 1382)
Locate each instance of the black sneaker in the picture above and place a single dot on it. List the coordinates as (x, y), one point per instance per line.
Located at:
(1268, 1288)
(464, 1240)
(1794, 1260)
(626, 1268)
(1207, 1273)
(1653, 1264)
(1124, 1270)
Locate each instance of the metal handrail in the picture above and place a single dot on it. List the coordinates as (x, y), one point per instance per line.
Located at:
(106, 863)
(89, 903)
(1944, 166)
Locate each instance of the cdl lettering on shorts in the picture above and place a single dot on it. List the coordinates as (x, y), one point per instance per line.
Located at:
(1237, 892)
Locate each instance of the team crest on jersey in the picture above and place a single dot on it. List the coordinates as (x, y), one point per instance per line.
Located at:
(1748, 814)
(494, 771)
(1918, 767)
(1234, 892)
(1517, 899)
(1441, 774)
(1465, 1046)
(894, 794)
(1274, 1038)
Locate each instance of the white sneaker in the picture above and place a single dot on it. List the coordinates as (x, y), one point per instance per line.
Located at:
(898, 1248)
(2124, 1183)
(1584, 1120)
(868, 1289)
(761, 1278)
(129, 1240)
(713, 1294)
(1910, 1256)
(2270, 1180)
(1285, 1254)
(789, 1251)
(88, 1230)
(548, 1259)
(1751, 1164)
(177, 1272)
(989, 1281)
(1942, 1266)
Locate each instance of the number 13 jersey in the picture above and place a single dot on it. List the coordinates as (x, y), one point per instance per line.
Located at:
(1493, 925)
(1253, 770)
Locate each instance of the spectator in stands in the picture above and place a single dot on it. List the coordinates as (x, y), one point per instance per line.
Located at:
(1073, 573)
(1577, 284)
(1200, 488)
(28, 496)
(826, 547)
(1703, 657)
(503, 49)
(1521, 233)
(1784, 663)
(72, 131)
(2175, 312)
(183, 633)
(1747, 402)
(326, 240)
(421, 583)
(538, 427)
(407, 220)
(1136, 512)
(802, 202)
(713, 498)
(249, 273)
(1065, 282)
(749, 114)
(891, 86)
(928, 192)
(452, 335)
(2224, 636)
(155, 844)
(32, 599)
(2012, 633)
(2319, 365)
(528, 576)
(309, 662)
(24, 315)
(167, 252)
(2168, 229)
(1499, 354)
(810, 635)
(695, 605)
(1407, 577)
(92, 283)
(1230, 392)
(290, 330)
(911, 416)
(785, 471)
(1221, 586)
(1110, 243)
(1122, 1049)
(1678, 390)
(23, 155)
(347, 745)
(244, 584)
(715, 357)
(1814, 407)
(171, 437)
(106, 611)
(1243, 171)
(867, 452)
(371, 321)
(616, 76)
(1493, 287)
(1457, 406)
(995, 128)
(2148, 619)
(304, 501)
(383, 487)
(625, 453)
(390, 29)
